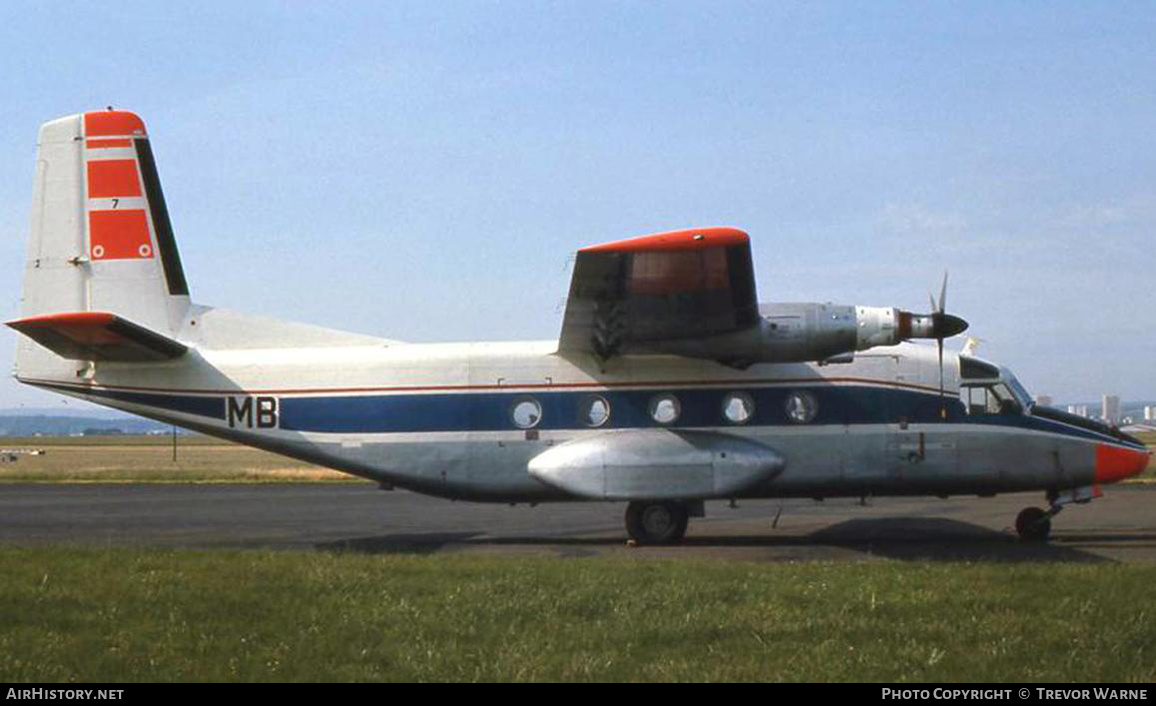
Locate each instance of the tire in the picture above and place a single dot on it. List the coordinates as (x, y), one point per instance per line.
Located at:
(1033, 525)
(656, 522)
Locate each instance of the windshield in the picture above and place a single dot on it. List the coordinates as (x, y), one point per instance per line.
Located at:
(999, 393)
(1017, 388)
(990, 398)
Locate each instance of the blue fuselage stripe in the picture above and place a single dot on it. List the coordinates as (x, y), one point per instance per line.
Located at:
(629, 409)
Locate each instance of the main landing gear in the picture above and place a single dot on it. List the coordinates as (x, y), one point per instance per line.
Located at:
(657, 522)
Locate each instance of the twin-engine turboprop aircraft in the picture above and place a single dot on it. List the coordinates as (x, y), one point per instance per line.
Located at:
(670, 385)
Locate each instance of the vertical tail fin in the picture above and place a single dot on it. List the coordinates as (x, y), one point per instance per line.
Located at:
(101, 239)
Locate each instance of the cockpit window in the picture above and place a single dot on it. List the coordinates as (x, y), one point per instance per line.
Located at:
(990, 389)
(990, 399)
(1018, 389)
(972, 369)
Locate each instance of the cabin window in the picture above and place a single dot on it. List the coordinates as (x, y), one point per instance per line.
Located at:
(526, 412)
(665, 409)
(738, 407)
(801, 407)
(593, 410)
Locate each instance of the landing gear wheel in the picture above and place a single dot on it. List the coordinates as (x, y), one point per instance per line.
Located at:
(1033, 524)
(656, 522)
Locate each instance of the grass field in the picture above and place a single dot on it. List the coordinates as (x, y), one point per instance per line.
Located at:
(95, 614)
(150, 458)
(125, 615)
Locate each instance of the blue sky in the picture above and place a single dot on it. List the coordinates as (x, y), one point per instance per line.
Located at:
(424, 171)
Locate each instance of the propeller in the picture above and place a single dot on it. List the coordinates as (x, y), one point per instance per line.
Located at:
(943, 325)
(938, 325)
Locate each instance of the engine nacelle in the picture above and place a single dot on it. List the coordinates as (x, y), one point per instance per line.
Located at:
(793, 333)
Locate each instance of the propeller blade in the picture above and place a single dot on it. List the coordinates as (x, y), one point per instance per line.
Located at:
(942, 401)
(945, 326)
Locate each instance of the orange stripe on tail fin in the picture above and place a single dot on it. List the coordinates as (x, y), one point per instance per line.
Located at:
(112, 178)
(119, 235)
(116, 123)
(104, 144)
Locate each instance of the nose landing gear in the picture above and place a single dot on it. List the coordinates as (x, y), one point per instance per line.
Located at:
(1034, 524)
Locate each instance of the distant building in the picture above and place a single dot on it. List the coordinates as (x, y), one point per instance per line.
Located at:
(1080, 410)
(1111, 409)
(1150, 413)
(1044, 400)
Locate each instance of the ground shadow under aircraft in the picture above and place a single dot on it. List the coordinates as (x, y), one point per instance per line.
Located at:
(903, 538)
(940, 539)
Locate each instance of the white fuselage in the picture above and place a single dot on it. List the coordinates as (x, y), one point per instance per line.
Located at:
(440, 418)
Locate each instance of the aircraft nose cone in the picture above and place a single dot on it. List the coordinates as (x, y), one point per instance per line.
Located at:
(1115, 463)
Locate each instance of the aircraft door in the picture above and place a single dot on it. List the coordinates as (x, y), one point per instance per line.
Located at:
(864, 446)
(922, 450)
(994, 456)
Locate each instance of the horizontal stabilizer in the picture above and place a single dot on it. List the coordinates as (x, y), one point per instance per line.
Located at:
(95, 335)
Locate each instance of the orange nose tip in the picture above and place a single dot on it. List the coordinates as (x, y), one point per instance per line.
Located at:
(1114, 463)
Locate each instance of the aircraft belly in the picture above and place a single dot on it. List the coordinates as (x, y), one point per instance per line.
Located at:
(663, 464)
(863, 457)
(1074, 463)
(999, 459)
(813, 459)
(1025, 460)
(497, 469)
(430, 468)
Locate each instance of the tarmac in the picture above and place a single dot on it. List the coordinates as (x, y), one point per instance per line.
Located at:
(356, 517)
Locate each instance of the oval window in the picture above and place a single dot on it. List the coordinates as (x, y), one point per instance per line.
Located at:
(665, 409)
(801, 407)
(526, 412)
(593, 410)
(738, 407)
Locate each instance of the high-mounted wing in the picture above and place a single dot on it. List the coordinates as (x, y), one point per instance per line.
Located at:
(95, 335)
(632, 294)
